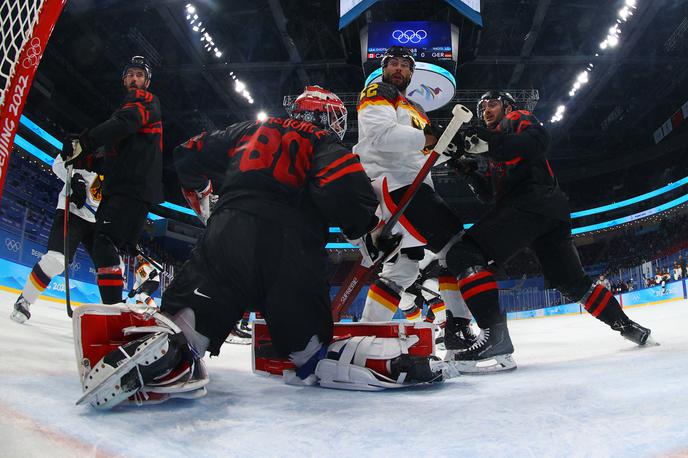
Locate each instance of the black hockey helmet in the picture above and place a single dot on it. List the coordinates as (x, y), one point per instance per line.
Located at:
(502, 96)
(399, 52)
(138, 62)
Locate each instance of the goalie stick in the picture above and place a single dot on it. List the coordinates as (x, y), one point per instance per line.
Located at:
(359, 274)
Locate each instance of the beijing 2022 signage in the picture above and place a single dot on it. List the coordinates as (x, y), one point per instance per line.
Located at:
(428, 40)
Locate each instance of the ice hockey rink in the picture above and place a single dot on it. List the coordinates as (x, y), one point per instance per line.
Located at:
(580, 390)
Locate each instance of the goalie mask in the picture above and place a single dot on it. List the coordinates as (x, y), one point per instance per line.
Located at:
(503, 97)
(320, 107)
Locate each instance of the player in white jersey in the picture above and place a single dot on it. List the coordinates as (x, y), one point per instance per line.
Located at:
(84, 201)
(394, 139)
(147, 281)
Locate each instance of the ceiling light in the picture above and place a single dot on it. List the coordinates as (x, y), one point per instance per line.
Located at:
(239, 86)
(262, 116)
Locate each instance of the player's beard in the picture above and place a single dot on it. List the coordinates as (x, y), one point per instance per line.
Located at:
(401, 85)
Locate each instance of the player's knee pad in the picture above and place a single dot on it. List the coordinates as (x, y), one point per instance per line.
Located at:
(576, 290)
(402, 273)
(156, 363)
(105, 251)
(464, 255)
(52, 263)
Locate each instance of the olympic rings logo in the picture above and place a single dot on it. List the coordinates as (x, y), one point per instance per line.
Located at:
(409, 36)
(12, 245)
(33, 53)
(76, 266)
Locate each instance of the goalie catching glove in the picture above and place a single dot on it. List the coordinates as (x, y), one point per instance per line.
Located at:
(375, 247)
(199, 201)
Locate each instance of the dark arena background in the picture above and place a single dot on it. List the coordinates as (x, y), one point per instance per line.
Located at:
(609, 80)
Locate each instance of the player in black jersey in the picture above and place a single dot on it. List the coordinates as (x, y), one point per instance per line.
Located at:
(132, 137)
(529, 210)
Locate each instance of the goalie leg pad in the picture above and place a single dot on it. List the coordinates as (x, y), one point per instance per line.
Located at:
(118, 375)
(118, 363)
(369, 363)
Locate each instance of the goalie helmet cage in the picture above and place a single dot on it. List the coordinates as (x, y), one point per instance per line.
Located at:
(26, 28)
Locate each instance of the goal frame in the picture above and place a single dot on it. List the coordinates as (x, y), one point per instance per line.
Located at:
(21, 77)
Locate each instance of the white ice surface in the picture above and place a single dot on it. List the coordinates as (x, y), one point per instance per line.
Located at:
(580, 390)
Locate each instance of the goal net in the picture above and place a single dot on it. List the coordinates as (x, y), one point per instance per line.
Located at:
(26, 28)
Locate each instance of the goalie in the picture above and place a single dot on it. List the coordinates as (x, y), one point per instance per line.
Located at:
(286, 180)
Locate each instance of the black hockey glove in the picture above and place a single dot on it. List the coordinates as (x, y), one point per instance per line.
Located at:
(464, 165)
(78, 196)
(75, 147)
(374, 247)
(68, 147)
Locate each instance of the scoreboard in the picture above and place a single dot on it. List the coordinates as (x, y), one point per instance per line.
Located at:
(428, 41)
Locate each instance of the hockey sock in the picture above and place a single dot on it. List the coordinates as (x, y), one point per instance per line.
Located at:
(439, 310)
(381, 303)
(50, 265)
(110, 284)
(37, 282)
(413, 313)
(449, 290)
(480, 291)
(601, 303)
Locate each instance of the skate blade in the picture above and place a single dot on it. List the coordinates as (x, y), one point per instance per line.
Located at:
(501, 363)
(18, 317)
(650, 342)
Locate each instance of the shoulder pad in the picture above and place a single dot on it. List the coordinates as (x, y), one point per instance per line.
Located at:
(516, 121)
(379, 92)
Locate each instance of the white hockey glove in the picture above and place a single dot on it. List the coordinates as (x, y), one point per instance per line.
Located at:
(475, 145)
(373, 247)
(199, 201)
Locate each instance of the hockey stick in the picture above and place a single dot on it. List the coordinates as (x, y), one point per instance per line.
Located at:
(429, 291)
(65, 235)
(359, 274)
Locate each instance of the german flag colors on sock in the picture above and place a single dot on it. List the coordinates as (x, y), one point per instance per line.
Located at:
(39, 279)
(384, 295)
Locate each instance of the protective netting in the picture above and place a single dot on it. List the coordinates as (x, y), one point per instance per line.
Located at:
(17, 18)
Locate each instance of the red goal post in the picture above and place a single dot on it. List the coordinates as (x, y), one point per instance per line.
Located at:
(26, 28)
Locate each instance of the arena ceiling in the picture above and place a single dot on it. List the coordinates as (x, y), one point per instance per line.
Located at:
(277, 47)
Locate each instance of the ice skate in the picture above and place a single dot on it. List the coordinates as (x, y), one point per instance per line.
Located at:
(459, 334)
(21, 310)
(634, 332)
(240, 335)
(490, 353)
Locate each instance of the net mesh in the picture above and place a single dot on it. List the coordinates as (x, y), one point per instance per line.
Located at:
(17, 18)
